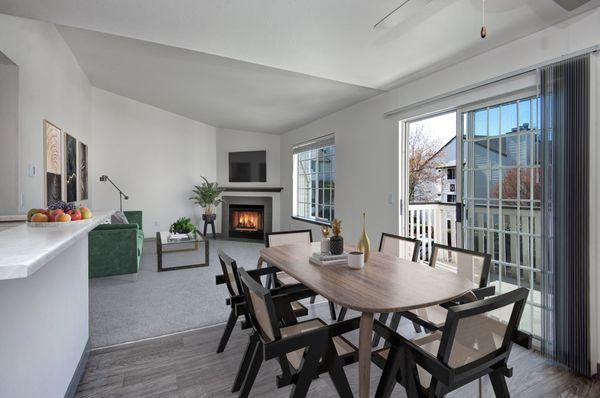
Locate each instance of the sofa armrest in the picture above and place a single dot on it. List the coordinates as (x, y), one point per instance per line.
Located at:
(134, 217)
(113, 251)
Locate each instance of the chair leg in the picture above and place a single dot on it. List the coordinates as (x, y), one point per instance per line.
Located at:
(383, 317)
(312, 299)
(387, 382)
(336, 372)
(257, 358)
(342, 314)
(227, 332)
(499, 384)
(332, 311)
(417, 327)
(308, 369)
(243, 369)
(394, 324)
(409, 376)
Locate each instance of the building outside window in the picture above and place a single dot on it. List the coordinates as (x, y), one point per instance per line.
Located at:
(451, 173)
(314, 180)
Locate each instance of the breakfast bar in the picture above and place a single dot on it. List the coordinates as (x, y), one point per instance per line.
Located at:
(44, 307)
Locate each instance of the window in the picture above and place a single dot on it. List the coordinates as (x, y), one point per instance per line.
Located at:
(452, 187)
(451, 199)
(451, 174)
(314, 180)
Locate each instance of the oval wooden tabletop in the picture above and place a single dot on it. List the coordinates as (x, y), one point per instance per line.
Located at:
(385, 284)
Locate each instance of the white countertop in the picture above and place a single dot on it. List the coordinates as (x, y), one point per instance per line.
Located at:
(25, 249)
(17, 217)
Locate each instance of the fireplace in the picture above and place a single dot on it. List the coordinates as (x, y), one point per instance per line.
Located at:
(246, 218)
(246, 221)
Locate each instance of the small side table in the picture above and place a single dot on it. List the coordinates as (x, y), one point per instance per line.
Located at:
(209, 221)
(163, 242)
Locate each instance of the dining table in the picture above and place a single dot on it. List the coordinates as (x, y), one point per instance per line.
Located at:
(385, 284)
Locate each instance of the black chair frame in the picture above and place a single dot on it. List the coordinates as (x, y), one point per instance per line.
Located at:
(320, 355)
(237, 302)
(404, 355)
(272, 280)
(481, 292)
(417, 242)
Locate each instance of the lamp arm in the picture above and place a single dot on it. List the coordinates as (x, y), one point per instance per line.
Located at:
(117, 188)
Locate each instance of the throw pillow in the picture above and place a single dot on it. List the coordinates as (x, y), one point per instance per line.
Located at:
(118, 218)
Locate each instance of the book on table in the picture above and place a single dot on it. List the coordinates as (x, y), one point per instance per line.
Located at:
(328, 259)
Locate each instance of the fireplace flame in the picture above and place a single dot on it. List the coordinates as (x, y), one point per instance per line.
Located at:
(246, 220)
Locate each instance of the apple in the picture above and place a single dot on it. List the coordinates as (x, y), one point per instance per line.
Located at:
(54, 214)
(75, 215)
(30, 213)
(83, 208)
(86, 214)
(39, 217)
(43, 211)
(64, 217)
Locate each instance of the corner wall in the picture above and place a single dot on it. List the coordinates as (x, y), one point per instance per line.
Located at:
(153, 155)
(52, 86)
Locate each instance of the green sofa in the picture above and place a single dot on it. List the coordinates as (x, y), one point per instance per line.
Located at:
(116, 249)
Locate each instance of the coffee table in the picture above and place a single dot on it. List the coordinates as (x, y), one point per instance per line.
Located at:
(165, 245)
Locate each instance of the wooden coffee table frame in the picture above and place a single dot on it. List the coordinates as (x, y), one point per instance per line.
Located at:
(159, 254)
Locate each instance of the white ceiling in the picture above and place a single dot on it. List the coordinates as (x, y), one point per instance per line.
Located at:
(208, 88)
(331, 39)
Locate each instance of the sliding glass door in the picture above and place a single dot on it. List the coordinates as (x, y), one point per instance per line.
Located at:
(501, 194)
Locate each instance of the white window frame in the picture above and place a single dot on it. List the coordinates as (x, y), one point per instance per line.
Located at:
(314, 196)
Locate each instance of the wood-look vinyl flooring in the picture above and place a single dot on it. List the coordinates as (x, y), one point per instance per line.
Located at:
(187, 365)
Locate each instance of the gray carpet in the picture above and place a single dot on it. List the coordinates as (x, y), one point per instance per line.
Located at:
(122, 310)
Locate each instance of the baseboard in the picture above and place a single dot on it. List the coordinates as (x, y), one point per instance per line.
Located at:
(79, 371)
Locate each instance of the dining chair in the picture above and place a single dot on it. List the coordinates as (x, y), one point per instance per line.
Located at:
(469, 264)
(397, 246)
(304, 349)
(473, 344)
(236, 299)
(302, 236)
(400, 246)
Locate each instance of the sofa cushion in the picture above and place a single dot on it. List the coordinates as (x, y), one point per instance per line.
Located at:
(118, 218)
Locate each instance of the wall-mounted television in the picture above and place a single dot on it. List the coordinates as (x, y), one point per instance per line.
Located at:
(250, 166)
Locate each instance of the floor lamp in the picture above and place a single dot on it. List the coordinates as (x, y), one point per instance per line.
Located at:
(122, 195)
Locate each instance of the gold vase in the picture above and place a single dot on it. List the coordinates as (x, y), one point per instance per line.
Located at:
(364, 245)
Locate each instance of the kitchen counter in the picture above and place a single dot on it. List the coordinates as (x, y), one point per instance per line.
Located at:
(25, 249)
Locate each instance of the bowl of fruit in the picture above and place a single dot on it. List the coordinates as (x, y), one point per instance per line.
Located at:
(57, 214)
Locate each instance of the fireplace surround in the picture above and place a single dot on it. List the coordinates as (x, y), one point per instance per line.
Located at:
(246, 217)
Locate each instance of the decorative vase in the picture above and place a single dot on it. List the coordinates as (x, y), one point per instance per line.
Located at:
(364, 244)
(324, 245)
(336, 245)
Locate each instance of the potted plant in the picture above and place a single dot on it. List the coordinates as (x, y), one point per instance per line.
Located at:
(206, 195)
(183, 225)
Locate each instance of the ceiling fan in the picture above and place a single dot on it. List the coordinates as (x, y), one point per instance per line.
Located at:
(407, 8)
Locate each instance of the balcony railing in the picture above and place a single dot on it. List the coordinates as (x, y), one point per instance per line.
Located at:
(432, 222)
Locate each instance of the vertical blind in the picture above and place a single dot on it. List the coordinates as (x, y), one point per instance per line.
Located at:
(565, 130)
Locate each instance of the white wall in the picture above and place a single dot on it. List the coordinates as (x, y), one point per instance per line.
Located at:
(45, 326)
(9, 136)
(236, 140)
(52, 86)
(367, 145)
(153, 155)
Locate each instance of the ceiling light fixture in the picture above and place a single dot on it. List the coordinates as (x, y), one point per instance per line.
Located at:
(404, 11)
